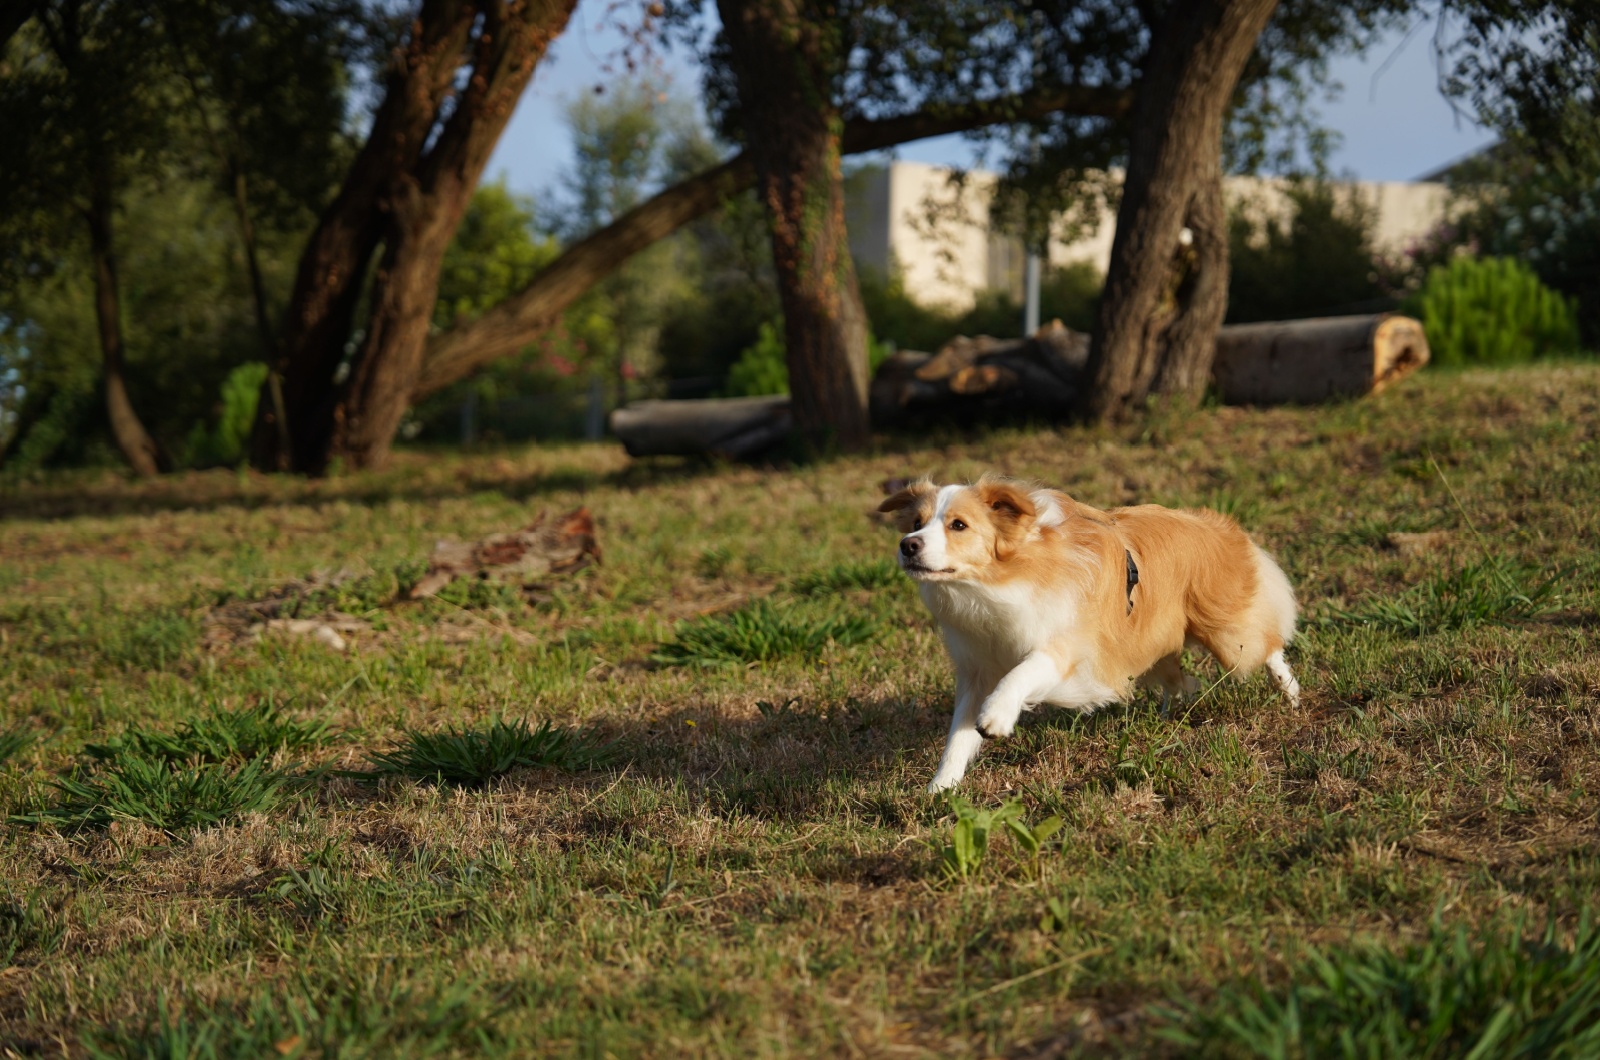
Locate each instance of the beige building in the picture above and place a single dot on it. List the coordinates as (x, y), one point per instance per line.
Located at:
(913, 218)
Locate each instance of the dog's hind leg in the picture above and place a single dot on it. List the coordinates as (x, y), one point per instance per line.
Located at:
(1167, 674)
(1279, 668)
(961, 746)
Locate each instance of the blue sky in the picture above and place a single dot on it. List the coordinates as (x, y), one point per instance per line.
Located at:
(1394, 123)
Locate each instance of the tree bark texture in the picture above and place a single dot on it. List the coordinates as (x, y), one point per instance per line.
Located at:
(333, 267)
(783, 58)
(421, 209)
(1164, 300)
(135, 442)
(461, 350)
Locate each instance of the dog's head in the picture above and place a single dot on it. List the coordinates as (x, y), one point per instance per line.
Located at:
(960, 533)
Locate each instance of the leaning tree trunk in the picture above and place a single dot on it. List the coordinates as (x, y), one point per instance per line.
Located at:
(783, 57)
(131, 437)
(294, 422)
(422, 210)
(1164, 300)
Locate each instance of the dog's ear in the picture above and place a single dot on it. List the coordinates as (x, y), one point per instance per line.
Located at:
(1012, 511)
(907, 497)
(1007, 500)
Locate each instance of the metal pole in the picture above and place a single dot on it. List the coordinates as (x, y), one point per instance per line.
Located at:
(1030, 293)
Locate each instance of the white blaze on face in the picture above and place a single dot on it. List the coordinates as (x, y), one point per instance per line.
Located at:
(934, 553)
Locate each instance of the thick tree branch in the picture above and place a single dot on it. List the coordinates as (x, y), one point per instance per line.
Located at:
(458, 352)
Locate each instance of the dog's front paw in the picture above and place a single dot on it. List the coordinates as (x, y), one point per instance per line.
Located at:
(942, 784)
(998, 719)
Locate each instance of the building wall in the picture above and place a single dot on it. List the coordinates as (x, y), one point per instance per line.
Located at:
(910, 218)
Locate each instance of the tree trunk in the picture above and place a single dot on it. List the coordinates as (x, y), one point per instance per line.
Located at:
(1164, 300)
(422, 209)
(131, 437)
(333, 267)
(784, 58)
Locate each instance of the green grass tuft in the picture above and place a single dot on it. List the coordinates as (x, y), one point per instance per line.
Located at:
(239, 734)
(1446, 996)
(153, 790)
(843, 577)
(475, 757)
(1490, 591)
(14, 741)
(762, 633)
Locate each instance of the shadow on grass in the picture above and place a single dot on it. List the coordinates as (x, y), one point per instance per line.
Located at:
(411, 482)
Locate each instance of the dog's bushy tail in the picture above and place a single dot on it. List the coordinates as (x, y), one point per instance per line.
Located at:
(1275, 607)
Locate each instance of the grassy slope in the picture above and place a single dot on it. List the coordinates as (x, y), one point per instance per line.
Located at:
(762, 878)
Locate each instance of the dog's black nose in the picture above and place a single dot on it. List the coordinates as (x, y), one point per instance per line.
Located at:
(910, 546)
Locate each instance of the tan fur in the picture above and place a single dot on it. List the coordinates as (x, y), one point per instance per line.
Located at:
(1021, 579)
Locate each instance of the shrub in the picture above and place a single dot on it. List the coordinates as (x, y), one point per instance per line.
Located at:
(763, 369)
(225, 443)
(1492, 311)
(1317, 261)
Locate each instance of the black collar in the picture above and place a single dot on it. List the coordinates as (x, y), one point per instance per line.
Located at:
(1133, 578)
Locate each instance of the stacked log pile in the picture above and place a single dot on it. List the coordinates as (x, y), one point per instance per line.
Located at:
(1038, 375)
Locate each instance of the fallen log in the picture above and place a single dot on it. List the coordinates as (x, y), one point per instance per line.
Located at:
(1307, 361)
(1282, 362)
(733, 428)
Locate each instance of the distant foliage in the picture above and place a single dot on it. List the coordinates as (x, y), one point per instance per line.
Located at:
(224, 444)
(763, 368)
(1492, 311)
(1069, 293)
(1316, 261)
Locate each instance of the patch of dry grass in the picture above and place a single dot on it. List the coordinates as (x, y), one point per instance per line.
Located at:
(758, 872)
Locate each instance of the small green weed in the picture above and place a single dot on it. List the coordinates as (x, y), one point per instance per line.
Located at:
(1490, 591)
(249, 732)
(843, 577)
(963, 855)
(1446, 996)
(475, 757)
(761, 633)
(153, 790)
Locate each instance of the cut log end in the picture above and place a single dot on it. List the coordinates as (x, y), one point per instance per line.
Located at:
(1322, 359)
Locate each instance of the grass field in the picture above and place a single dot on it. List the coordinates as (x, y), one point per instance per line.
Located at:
(241, 846)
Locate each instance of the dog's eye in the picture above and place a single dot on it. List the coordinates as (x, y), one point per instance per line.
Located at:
(916, 524)
(958, 525)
